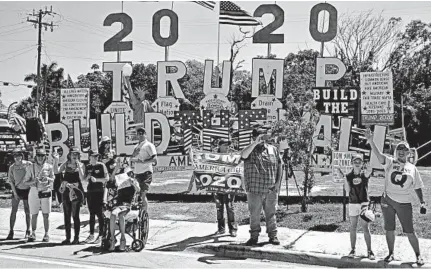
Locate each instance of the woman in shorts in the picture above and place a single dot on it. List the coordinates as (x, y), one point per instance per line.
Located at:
(118, 200)
(40, 177)
(356, 185)
(401, 178)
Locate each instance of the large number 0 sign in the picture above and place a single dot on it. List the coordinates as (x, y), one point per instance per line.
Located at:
(232, 182)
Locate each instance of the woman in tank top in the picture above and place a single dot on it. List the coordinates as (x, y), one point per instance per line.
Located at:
(72, 190)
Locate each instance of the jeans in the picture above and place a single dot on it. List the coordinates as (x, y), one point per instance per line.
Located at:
(222, 200)
(71, 210)
(268, 202)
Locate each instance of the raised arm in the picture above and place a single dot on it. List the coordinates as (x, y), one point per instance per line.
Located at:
(133, 99)
(245, 153)
(370, 137)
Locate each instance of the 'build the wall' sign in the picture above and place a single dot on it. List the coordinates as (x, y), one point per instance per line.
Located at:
(341, 101)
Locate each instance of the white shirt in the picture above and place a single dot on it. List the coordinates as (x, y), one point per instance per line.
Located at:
(401, 179)
(146, 150)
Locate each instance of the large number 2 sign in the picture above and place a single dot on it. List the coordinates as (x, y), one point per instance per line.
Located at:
(115, 43)
(265, 35)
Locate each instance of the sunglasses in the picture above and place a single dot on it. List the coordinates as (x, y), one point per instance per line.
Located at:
(403, 149)
(357, 162)
(39, 155)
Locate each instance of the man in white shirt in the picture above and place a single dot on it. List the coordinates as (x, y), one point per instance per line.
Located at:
(144, 156)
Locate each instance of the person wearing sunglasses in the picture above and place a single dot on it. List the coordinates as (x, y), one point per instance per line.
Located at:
(20, 191)
(72, 190)
(356, 185)
(144, 156)
(401, 178)
(40, 177)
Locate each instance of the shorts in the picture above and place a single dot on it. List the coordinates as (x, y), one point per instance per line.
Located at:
(356, 209)
(35, 203)
(120, 209)
(144, 180)
(95, 202)
(22, 193)
(404, 211)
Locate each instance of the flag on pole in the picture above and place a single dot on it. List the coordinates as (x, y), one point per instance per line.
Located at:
(70, 82)
(206, 4)
(232, 14)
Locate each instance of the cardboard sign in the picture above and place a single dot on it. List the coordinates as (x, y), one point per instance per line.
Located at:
(173, 163)
(343, 161)
(377, 100)
(218, 172)
(271, 104)
(336, 100)
(167, 106)
(75, 105)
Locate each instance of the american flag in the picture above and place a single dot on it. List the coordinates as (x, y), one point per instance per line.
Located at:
(232, 14)
(244, 138)
(209, 135)
(206, 4)
(125, 92)
(16, 121)
(188, 118)
(70, 82)
(245, 116)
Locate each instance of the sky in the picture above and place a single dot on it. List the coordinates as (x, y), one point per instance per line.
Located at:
(77, 42)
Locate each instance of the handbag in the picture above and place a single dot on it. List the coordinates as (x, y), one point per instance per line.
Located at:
(44, 194)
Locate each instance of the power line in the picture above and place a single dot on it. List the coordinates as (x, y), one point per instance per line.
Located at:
(18, 50)
(13, 57)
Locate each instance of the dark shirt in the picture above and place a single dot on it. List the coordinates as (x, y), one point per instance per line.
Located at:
(98, 171)
(358, 187)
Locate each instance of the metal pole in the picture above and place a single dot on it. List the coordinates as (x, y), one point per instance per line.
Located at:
(39, 51)
(118, 51)
(402, 117)
(344, 204)
(217, 71)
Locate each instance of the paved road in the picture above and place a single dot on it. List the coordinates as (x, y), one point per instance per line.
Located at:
(17, 254)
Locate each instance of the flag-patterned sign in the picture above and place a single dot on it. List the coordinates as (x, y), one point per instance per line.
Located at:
(244, 138)
(246, 116)
(210, 121)
(209, 135)
(187, 118)
(232, 14)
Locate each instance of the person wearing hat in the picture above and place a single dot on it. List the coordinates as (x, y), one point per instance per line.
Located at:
(356, 185)
(117, 199)
(225, 200)
(263, 170)
(20, 190)
(40, 177)
(72, 190)
(144, 156)
(401, 178)
(96, 175)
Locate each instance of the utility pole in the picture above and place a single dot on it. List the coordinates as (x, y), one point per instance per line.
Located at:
(38, 23)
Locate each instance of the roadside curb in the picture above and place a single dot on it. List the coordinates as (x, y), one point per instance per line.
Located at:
(310, 258)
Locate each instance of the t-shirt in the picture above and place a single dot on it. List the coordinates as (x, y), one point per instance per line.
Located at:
(401, 179)
(146, 150)
(35, 171)
(358, 187)
(17, 173)
(97, 170)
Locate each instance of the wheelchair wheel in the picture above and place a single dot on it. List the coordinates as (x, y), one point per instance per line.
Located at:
(106, 243)
(137, 245)
(144, 228)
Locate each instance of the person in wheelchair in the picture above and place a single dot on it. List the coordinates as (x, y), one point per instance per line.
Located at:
(118, 198)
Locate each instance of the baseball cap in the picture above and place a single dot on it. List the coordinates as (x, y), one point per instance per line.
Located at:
(105, 138)
(141, 130)
(74, 150)
(403, 145)
(17, 152)
(357, 156)
(93, 152)
(40, 152)
(257, 132)
(224, 142)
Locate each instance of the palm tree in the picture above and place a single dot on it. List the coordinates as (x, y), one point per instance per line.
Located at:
(51, 78)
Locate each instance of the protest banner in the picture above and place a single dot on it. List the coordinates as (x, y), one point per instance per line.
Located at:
(336, 100)
(75, 105)
(377, 100)
(218, 172)
(341, 161)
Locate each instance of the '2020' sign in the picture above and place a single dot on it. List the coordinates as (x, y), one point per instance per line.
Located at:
(264, 35)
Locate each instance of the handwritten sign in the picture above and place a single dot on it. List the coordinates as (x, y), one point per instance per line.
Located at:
(343, 161)
(75, 105)
(377, 100)
(271, 104)
(167, 106)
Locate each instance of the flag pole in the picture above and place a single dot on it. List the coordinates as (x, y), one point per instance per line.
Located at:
(217, 71)
(167, 47)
